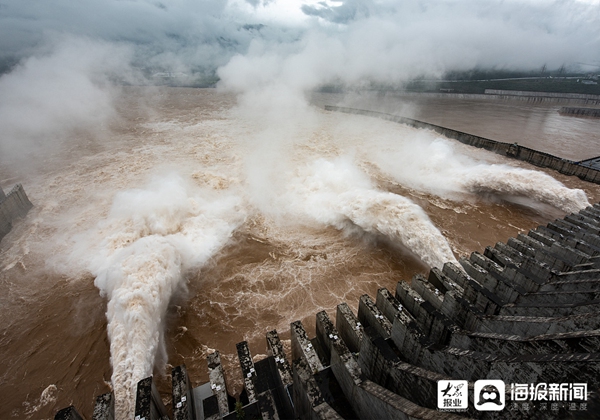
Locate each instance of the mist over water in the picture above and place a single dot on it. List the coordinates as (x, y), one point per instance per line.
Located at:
(429, 163)
(247, 225)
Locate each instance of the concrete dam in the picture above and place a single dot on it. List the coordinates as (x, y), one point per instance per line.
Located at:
(526, 311)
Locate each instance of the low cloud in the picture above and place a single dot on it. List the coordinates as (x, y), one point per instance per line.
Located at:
(66, 85)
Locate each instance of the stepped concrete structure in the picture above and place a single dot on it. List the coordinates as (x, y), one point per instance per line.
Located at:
(12, 205)
(526, 312)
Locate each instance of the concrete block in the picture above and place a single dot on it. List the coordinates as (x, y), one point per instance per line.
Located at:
(388, 304)
(303, 348)
(13, 205)
(275, 349)
(406, 298)
(370, 315)
(182, 395)
(68, 413)
(578, 221)
(407, 336)
(428, 291)
(148, 403)
(349, 327)
(497, 284)
(381, 403)
(267, 406)
(455, 274)
(248, 370)
(104, 409)
(308, 400)
(521, 247)
(326, 332)
(217, 382)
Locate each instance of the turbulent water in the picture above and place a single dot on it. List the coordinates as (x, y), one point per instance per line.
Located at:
(189, 224)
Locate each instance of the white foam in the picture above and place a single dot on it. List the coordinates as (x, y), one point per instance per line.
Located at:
(422, 161)
(336, 192)
(152, 236)
(534, 185)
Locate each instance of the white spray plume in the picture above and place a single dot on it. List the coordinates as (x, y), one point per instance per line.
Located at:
(516, 182)
(428, 163)
(151, 238)
(64, 87)
(336, 192)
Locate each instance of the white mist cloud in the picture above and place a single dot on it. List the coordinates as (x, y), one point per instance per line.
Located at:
(428, 163)
(385, 40)
(65, 86)
(391, 42)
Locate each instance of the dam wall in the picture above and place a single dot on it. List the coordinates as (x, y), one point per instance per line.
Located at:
(12, 205)
(544, 96)
(525, 312)
(514, 95)
(535, 157)
(580, 112)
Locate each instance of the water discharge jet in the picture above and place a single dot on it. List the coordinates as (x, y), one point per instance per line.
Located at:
(334, 192)
(431, 164)
(152, 238)
(504, 180)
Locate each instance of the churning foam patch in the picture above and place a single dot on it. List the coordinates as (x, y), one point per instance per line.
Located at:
(150, 239)
(336, 192)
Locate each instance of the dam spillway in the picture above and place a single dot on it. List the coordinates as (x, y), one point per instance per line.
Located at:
(526, 312)
(311, 267)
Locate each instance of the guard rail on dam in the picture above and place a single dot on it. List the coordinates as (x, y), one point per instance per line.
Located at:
(544, 96)
(511, 95)
(535, 157)
(580, 112)
(12, 205)
(526, 312)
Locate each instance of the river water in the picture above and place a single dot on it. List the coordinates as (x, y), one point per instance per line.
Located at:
(198, 224)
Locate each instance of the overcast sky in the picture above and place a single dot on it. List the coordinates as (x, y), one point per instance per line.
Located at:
(368, 38)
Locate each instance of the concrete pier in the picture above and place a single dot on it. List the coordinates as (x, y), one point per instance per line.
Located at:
(12, 205)
(526, 312)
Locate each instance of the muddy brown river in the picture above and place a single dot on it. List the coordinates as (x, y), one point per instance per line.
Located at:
(196, 224)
